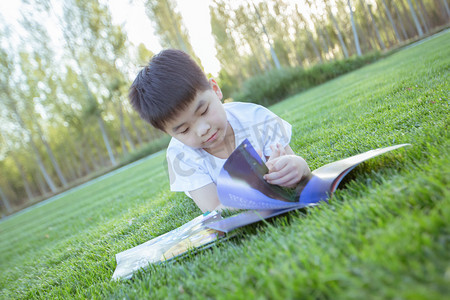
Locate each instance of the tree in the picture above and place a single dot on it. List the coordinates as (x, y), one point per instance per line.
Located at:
(355, 33)
(447, 10)
(414, 16)
(374, 25)
(5, 201)
(310, 37)
(8, 73)
(232, 73)
(86, 32)
(7, 142)
(399, 19)
(38, 72)
(169, 26)
(338, 29)
(272, 51)
(423, 15)
(391, 20)
(318, 25)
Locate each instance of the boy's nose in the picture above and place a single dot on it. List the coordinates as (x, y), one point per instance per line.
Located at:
(202, 128)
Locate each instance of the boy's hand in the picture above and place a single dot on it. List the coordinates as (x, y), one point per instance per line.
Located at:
(285, 169)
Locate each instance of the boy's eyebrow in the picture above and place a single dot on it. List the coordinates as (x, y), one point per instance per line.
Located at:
(200, 104)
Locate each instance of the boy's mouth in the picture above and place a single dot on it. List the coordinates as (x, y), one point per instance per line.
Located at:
(212, 138)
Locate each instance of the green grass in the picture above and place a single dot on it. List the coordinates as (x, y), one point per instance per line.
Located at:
(384, 235)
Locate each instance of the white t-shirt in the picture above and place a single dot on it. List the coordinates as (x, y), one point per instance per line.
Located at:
(191, 169)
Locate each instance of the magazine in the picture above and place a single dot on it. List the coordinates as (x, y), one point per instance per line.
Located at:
(191, 235)
(241, 185)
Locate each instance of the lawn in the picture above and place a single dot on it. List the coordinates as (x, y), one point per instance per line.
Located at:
(384, 235)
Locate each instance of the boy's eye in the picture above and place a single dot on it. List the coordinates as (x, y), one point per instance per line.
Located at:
(185, 131)
(205, 111)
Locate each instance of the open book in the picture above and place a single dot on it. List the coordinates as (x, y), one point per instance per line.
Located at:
(241, 185)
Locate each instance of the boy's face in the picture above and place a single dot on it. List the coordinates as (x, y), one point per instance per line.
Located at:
(203, 124)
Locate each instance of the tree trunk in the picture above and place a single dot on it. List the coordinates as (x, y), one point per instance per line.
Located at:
(40, 162)
(314, 45)
(341, 39)
(375, 27)
(37, 156)
(51, 156)
(399, 18)
(106, 140)
(91, 98)
(5, 202)
(409, 23)
(328, 39)
(447, 10)
(355, 33)
(310, 37)
(423, 15)
(391, 20)
(365, 32)
(439, 11)
(41, 184)
(414, 15)
(319, 31)
(322, 38)
(272, 51)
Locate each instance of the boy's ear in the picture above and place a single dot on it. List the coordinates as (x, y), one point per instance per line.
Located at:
(215, 87)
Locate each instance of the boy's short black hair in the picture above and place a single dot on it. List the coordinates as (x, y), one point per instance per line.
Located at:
(166, 86)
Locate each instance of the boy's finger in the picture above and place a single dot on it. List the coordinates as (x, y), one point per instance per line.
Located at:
(278, 164)
(276, 175)
(271, 164)
(275, 152)
(283, 180)
(281, 150)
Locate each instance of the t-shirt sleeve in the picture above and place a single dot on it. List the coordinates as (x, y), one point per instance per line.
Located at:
(186, 172)
(271, 129)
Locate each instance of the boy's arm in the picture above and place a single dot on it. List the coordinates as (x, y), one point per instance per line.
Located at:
(207, 198)
(285, 167)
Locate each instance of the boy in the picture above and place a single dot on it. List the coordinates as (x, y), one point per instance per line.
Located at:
(173, 94)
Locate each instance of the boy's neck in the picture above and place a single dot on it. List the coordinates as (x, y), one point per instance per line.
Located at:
(227, 147)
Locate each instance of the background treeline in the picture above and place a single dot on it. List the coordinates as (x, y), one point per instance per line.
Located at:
(64, 114)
